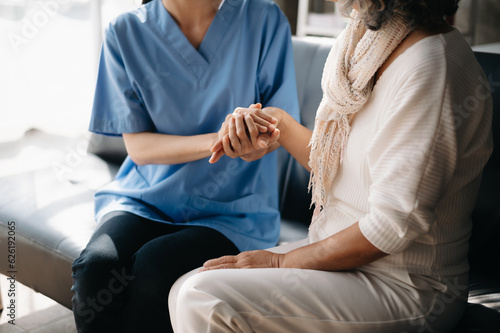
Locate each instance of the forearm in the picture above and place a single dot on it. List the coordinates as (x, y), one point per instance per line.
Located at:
(295, 137)
(154, 148)
(344, 250)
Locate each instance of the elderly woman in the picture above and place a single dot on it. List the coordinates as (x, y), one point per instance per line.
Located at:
(395, 157)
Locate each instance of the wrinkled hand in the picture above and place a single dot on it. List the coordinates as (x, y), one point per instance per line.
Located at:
(248, 259)
(268, 115)
(246, 133)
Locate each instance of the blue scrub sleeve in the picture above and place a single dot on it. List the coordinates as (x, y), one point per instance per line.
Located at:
(118, 107)
(276, 77)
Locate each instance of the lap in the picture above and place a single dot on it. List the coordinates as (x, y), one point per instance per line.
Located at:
(123, 239)
(114, 242)
(270, 300)
(169, 256)
(316, 297)
(174, 291)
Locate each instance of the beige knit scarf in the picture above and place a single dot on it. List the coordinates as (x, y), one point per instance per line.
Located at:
(347, 83)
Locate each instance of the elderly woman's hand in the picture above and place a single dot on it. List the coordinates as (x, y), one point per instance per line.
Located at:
(248, 259)
(269, 116)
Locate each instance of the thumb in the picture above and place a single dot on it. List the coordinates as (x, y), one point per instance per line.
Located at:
(263, 141)
(256, 106)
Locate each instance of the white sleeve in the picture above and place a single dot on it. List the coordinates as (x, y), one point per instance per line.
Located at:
(411, 160)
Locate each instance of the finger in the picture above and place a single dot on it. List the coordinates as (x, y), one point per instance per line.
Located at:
(263, 140)
(216, 156)
(224, 128)
(267, 140)
(255, 106)
(263, 122)
(243, 135)
(275, 135)
(233, 136)
(251, 108)
(226, 145)
(252, 129)
(241, 129)
(266, 116)
(222, 266)
(220, 261)
(237, 111)
(260, 128)
(217, 146)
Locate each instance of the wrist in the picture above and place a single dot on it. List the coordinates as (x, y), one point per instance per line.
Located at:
(211, 140)
(279, 260)
(284, 120)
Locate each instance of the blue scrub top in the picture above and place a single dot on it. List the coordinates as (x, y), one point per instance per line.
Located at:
(152, 79)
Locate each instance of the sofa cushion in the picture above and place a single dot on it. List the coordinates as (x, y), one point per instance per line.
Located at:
(49, 194)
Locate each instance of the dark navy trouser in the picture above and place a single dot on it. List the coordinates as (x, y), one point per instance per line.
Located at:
(123, 277)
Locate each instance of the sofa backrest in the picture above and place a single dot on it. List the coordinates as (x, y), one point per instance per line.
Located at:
(484, 245)
(309, 54)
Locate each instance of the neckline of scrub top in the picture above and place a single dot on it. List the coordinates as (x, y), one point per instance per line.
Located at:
(211, 41)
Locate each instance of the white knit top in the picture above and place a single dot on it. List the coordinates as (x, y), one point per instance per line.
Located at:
(413, 161)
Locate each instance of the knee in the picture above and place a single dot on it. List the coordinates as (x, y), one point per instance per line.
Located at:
(202, 282)
(201, 291)
(194, 294)
(94, 272)
(99, 256)
(98, 284)
(206, 303)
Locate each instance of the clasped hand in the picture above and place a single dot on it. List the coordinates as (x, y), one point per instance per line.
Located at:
(246, 133)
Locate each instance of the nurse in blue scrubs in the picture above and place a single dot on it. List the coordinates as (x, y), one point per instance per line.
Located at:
(170, 73)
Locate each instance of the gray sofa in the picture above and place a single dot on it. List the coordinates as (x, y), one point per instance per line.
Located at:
(51, 202)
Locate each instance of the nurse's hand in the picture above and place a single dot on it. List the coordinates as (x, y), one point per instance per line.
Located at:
(242, 136)
(245, 141)
(248, 259)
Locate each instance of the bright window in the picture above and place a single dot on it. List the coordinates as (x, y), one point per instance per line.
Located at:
(48, 61)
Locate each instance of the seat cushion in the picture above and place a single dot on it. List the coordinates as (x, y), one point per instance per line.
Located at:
(483, 311)
(49, 184)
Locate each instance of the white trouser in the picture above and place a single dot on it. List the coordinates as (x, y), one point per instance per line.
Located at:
(296, 300)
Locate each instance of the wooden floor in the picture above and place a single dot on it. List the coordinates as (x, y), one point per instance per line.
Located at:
(34, 312)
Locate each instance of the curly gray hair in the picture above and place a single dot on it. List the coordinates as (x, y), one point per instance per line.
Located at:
(418, 13)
